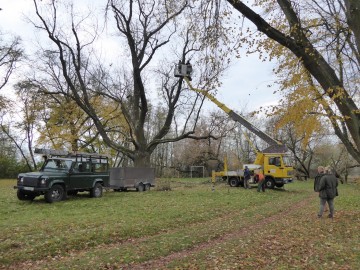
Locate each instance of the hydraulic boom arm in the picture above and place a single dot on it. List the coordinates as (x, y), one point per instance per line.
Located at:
(275, 146)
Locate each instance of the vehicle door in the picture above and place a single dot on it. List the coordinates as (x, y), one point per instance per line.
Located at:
(80, 177)
(274, 166)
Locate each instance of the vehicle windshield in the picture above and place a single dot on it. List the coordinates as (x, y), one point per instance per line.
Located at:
(57, 164)
(287, 161)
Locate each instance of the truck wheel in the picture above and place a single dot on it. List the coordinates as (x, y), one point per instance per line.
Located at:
(270, 184)
(22, 196)
(233, 182)
(279, 185)
(96, 191)
(55, 194)
(147, 187)
(141, 187)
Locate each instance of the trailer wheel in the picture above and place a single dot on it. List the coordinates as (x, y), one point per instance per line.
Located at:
(55, 194)
(96, 191)
(270, 183)
(233, 182)
(147, 187)
(140, 187)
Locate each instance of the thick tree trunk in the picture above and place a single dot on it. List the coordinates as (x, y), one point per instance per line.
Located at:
(142, 159)
(353, 17)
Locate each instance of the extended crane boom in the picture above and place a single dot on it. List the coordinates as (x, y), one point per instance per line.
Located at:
(275, 146)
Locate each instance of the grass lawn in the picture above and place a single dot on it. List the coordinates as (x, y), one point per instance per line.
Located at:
(191, 226)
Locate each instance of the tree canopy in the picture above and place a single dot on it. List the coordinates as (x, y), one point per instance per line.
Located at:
(145, 30)
(322, 48)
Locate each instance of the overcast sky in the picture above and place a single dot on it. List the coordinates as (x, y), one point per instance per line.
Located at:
(244, 84)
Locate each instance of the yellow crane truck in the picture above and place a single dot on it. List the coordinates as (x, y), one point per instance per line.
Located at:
(273, 161)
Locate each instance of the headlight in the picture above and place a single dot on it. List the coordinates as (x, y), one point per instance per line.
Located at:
(21, 180)
(43, 181)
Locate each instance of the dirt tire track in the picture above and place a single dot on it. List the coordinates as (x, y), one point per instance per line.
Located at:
(160, 263)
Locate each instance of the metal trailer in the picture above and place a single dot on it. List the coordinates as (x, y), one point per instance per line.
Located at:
(124, 177)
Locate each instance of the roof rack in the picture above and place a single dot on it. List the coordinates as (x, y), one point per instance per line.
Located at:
(50, 152)
(63, 153)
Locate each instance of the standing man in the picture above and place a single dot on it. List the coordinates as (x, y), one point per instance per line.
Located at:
(247, 176)
(327, 192)
(261, 179)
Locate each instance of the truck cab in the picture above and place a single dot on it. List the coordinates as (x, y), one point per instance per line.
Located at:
(277, 169)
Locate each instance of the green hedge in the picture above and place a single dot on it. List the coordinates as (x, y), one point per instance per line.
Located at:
(10, 168)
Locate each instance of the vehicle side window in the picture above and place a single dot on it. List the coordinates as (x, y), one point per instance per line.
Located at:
(86, 167)
(56, 164)
(78, 167)
(82, 167)
(275, 161)
(50, 164)
(97, 167)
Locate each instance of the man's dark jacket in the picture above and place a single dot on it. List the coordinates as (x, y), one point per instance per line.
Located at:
(328, 186)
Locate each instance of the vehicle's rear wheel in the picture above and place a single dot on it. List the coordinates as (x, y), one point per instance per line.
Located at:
(96, 191)
(279, 185)
(234, 182)
(140, 187)
(55, 194)
(23, 196)
(147, 187)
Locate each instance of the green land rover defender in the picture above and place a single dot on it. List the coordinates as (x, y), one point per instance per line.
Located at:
(64, 173)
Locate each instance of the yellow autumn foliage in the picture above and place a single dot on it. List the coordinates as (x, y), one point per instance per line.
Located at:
(68, 123)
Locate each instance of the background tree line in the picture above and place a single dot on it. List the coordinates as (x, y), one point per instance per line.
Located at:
(128, 103)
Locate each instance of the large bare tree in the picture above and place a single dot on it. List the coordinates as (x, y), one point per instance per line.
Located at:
(145, 30)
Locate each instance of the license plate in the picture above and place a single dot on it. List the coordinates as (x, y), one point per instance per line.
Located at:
(29, 188)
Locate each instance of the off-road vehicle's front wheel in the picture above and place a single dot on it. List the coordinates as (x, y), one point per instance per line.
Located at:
(55, 194)
(23, 196)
